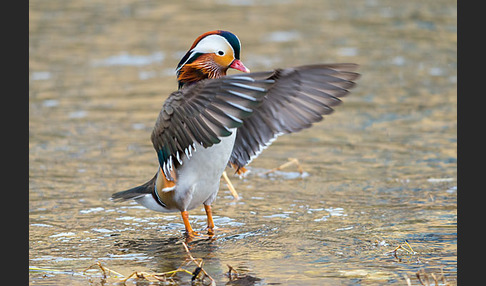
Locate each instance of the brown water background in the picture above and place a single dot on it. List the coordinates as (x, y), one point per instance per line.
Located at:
(380, 171)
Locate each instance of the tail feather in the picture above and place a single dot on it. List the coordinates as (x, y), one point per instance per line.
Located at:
(136, 192)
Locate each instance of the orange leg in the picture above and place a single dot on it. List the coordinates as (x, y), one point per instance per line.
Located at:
(209, 214)
(185, 218)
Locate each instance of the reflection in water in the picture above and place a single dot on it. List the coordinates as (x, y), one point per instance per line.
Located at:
(379, 171)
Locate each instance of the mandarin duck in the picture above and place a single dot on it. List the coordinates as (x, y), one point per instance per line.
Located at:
(216, 120)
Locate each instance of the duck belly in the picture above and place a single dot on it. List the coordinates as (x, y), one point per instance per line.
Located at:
(198, 178)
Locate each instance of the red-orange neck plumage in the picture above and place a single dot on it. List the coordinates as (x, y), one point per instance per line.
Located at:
(204, 67)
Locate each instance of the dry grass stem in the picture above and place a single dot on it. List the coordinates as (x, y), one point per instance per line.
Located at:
(199, 265)
(231, 272)
(163, 276)
(408, 249)
(103, 269)
(423, 278)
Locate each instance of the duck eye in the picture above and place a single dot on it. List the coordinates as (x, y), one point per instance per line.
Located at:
(221, 53)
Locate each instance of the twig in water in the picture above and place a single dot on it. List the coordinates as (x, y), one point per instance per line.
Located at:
(291, 161)
(400, 246)
(199, 266)
(423, 278)
(230, 186)
(230, 270)
(103, 269)
(164, 276)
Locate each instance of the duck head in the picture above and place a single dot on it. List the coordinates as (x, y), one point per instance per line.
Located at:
(210, 56)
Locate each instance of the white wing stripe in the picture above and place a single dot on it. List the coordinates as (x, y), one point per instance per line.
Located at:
(248, 86)
(239, 106)
(242, 95)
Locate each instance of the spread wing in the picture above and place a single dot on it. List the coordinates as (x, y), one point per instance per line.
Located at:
(298, 98)
(203, 113)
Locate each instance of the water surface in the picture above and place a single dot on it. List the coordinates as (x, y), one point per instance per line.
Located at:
(380, 171)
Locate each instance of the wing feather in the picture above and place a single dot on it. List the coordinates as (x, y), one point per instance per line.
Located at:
(262, 105)
(204, 113)
(299, 97)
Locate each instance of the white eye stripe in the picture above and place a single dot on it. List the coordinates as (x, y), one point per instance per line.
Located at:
(188, 59)
(213, 44)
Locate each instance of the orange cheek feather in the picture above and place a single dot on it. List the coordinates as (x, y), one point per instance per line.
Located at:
(224, 61)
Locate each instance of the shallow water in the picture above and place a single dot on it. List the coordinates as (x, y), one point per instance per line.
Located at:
(380, 171)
